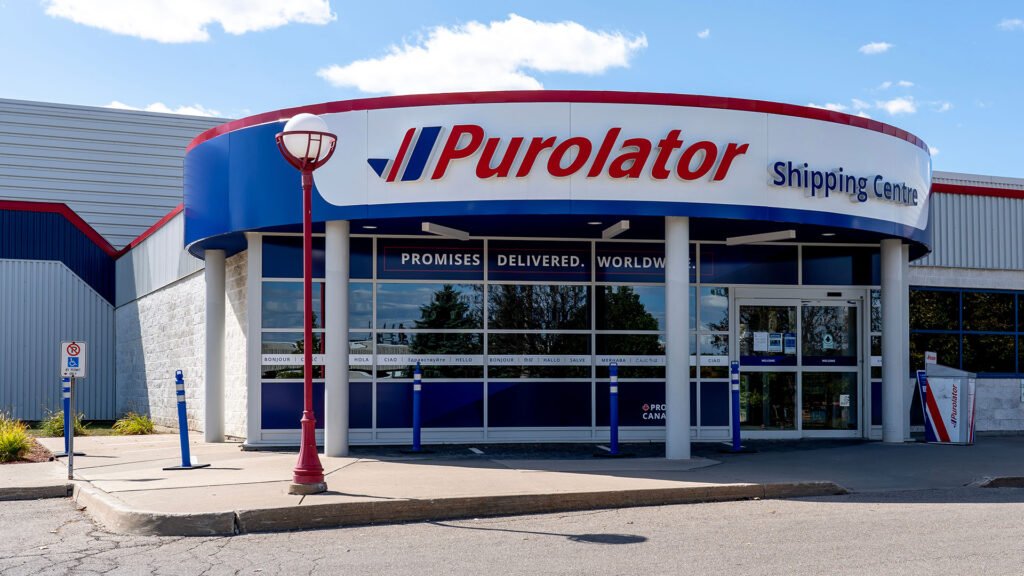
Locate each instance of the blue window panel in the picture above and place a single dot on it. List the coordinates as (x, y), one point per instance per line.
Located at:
(548, 404)
(538, 261)
(360, 405)
(693, 403)
(281, 405)
(714, 404)
(876, 403)
(748, 264)
(842, 266)
(444, 405)
(916, 410)
(640, 404)
(415, 259)
(282, 257)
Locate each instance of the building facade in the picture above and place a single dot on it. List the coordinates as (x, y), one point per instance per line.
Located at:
(516, 244)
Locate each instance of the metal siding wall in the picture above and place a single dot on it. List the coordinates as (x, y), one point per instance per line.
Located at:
(44, 303)
(156, 262)
(120, 170)
(976, 232)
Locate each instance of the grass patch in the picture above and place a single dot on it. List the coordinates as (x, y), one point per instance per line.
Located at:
(132, 424)
(15, 441)
(53, 425)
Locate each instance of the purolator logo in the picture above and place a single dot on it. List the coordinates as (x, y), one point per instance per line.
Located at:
(559, 157)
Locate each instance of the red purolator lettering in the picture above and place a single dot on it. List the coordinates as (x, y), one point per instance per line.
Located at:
(583, 148)
(707, 160)
(451, 150)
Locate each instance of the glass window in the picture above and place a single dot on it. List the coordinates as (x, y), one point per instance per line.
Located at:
(543, 344)
(283, 305)
(538, 307)
(768, 264)
(768, 400)
(829, 400)
(630, 307)
(714, 308)
(455, 346)
(988, 353)
(764, 332)
(282, 354)
(360, 343)
(934, 310)
(841, 266)
(829, 335)
(643, 345)
(714, 356)
(360, 306)
(988, 311)
(876, 310)
(282, 257)
(430, 306)
(946, 347)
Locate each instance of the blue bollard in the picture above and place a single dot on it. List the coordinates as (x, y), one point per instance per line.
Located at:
(417, 389)
(66, 393)
(734, 380)
(613, 406)
(186, 458)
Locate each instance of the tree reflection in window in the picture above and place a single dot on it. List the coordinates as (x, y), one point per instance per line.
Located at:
(539, 307)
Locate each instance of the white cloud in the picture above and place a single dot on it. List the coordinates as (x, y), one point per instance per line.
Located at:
(1011, 24)
(859, 104)
(885, 85)
(943, 106)
(174, 21)
(493, 56)
(703, 34)
(193, 110)
(875, 48)
(829, 106)
(864, 114)
(933, 150)
(905, 83)
(897, 106)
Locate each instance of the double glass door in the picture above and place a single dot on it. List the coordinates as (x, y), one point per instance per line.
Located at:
(800, 363)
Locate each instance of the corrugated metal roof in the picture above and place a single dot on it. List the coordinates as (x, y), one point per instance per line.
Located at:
(120, 170)
(961, 179)
(970, 231)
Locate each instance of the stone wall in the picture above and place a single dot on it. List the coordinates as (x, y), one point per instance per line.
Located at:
(235, 329)
(165, 331)
(162, 332)
(998, 405)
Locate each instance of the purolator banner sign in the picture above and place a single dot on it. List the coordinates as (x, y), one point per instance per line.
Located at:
(646, 159)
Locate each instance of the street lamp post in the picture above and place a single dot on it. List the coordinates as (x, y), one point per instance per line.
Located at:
(306, 145)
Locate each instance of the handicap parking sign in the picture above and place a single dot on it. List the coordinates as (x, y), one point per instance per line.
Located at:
(72, 362)
(72, 359)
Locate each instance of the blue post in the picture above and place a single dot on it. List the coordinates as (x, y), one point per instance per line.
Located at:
(734, 379)
(417, 389)
(66, 393)
(613, 405)
(186, 457)
(179, 390)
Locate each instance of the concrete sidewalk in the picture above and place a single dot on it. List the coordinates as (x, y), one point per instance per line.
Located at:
(121, 482)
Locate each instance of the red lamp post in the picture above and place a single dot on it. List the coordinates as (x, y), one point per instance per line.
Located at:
(306, 145)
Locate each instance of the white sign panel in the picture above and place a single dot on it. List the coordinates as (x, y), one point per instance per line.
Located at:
(72, 359)
(630, 360)
(598, 152)
(537, 360)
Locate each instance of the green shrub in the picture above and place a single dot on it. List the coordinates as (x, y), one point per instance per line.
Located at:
(134, 424)
(53, 425)
(14, 439)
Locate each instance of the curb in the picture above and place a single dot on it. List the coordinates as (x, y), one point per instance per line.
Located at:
(117, 517)
(8, 493)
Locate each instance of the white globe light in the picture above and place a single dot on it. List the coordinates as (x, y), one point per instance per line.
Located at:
(298, 144)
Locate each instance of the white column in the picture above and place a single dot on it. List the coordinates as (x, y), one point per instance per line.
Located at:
(214, 389)
(677, 338)
(336, 325)
(254, 338)
(894, 346)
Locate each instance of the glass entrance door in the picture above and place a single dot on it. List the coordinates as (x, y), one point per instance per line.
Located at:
(830, 362)
(800, 363)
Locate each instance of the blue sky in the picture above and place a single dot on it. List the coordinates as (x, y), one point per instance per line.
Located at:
(949, 72)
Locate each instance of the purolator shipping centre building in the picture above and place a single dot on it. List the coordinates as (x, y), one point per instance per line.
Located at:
(517, 243)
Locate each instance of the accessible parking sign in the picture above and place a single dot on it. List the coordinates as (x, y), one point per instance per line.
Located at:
(72, 359)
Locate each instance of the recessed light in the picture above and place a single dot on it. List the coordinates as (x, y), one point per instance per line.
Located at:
(594, 223)
(369, 227)
(828, 234)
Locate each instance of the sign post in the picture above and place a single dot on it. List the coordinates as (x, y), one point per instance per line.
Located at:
(72, 366)
(613, 415)
(417, 423)
(65, 391)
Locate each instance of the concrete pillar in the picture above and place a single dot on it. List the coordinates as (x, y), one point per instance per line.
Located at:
(336, 325)
(254, 338)
(213, 417)
(894, 344)
(677, 338)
